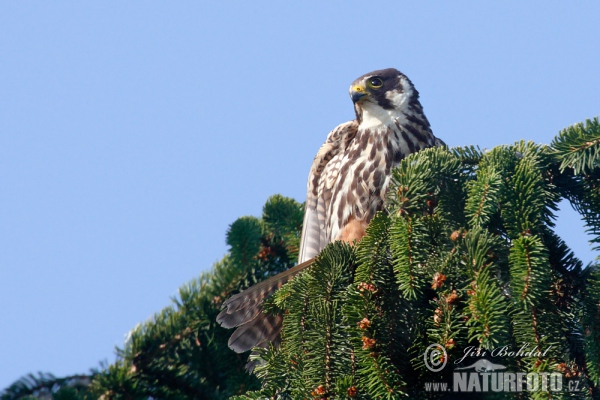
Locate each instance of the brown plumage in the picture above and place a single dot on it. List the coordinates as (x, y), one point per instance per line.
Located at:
(244, 311)
(347, 185)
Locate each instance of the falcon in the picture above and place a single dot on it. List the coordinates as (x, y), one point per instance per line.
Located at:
(346, 187)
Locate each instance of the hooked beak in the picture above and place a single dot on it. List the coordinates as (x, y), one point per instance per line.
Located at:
(357, 93)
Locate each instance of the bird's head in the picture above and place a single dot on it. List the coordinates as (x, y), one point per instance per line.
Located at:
(381, 94)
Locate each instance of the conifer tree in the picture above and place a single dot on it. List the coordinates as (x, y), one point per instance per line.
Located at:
(465, 255)
(48, 386)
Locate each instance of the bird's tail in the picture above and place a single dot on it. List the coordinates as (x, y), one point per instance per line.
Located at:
(244, 311)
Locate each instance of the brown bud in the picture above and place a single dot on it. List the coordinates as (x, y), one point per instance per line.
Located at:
(352, 391)
(438, 280)
(364, 324)
(363, 286)
(318, 391)
(264, 253)
(452, 298)
(454, 236)
(368, 343)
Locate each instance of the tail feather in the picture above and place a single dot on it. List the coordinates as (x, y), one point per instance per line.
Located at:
(261, 330)
(244, 311)
(237, 317)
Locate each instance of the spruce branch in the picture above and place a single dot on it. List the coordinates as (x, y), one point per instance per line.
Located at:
(530, 278)
(591, 324)
(487, 308)
(578, 147)
(483, 197)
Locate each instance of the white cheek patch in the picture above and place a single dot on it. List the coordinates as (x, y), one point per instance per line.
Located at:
(400, 100)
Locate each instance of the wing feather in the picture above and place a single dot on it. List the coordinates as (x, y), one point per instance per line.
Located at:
(318, 194)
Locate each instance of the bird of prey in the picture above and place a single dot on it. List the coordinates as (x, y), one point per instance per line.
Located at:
(346, 187)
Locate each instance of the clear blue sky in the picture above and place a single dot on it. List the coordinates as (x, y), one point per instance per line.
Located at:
(134, 133)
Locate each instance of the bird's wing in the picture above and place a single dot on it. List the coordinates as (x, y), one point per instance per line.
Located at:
(244, 310)
(318, 193)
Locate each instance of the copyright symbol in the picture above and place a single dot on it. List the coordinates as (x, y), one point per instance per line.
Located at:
(435, 357)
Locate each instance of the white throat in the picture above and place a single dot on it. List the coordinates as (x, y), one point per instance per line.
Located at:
(374, 116)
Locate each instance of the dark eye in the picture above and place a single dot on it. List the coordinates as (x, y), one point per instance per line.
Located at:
(375, 83)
